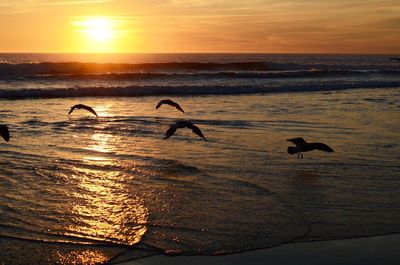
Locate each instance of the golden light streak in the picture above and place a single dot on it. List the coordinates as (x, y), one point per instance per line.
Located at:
(104, 207)
(82, 257)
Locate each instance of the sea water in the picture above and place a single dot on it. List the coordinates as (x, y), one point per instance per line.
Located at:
(114, 180)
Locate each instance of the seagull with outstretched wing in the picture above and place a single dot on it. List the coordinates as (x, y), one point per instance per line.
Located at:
(81, 106)
(183, 124)
(303, 146)
(171, 103)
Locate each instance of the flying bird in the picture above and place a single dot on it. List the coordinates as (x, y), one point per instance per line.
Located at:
(81, 106)
(182, 124)
(396, 59)
(303, 146)
(4, 132)
(171, 103)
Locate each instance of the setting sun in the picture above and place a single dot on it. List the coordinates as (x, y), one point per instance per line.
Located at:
(98, 34)
(98, 29)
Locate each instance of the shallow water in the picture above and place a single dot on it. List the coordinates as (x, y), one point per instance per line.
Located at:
(114, 180)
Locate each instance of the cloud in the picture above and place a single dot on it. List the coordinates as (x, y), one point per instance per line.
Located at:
(23, 6)
(18, 3)
(77, 2)
(191, 3)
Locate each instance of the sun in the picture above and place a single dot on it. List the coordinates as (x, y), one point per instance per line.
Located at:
(102, 34)
(98, 34)
(98, 29)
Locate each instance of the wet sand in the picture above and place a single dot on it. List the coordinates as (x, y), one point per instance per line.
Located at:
(357, 251)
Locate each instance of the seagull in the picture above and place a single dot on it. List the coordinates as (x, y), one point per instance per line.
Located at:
(4, 132)
(171, 103)
(81, 106)
(396, 59)
(182, 124)
(303, 146)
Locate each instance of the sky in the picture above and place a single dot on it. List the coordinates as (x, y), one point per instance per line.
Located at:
(157, 26)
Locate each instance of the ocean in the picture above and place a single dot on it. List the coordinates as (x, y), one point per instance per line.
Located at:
(76, 188)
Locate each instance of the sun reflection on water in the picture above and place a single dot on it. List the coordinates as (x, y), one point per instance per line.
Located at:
(104, 206)
(105, 213)
(82, 257)
(101, 142)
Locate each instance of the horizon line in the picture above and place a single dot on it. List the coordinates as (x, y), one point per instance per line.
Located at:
(197, 52)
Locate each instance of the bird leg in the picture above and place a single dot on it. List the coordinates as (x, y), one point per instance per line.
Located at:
(298, 156)
(301, 155)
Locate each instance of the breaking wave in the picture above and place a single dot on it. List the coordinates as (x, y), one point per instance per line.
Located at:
(79, 79)
(132, 91)
(76, 68)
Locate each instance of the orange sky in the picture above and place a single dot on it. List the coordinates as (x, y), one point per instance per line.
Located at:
(277, 26)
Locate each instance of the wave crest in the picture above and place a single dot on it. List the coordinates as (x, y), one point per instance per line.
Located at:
(133, 91)
(90, 68)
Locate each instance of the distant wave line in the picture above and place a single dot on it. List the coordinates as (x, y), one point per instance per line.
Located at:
(133, 91)
(215, 75)
(78, 67)
(104, 68)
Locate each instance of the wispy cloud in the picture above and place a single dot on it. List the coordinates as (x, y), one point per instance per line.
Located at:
(191, 3)
(23, 6)
(77, 2)
(12, 3)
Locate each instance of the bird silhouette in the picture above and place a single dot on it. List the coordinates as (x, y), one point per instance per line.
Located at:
(182, 124)
(171, 103)
(5, 133)
(303, 146)
(396, 59)
(81, 106)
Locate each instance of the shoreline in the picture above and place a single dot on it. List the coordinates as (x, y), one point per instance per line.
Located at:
(367, 250)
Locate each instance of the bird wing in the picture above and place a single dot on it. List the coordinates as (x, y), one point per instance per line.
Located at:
(171, 103)
(322, 147)
(397, 59)
(176, 105)
(90, 109)
(159, 104)
(72, 109)
(197, 131)
(5, 133)
(297, 141)
(172, 129)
